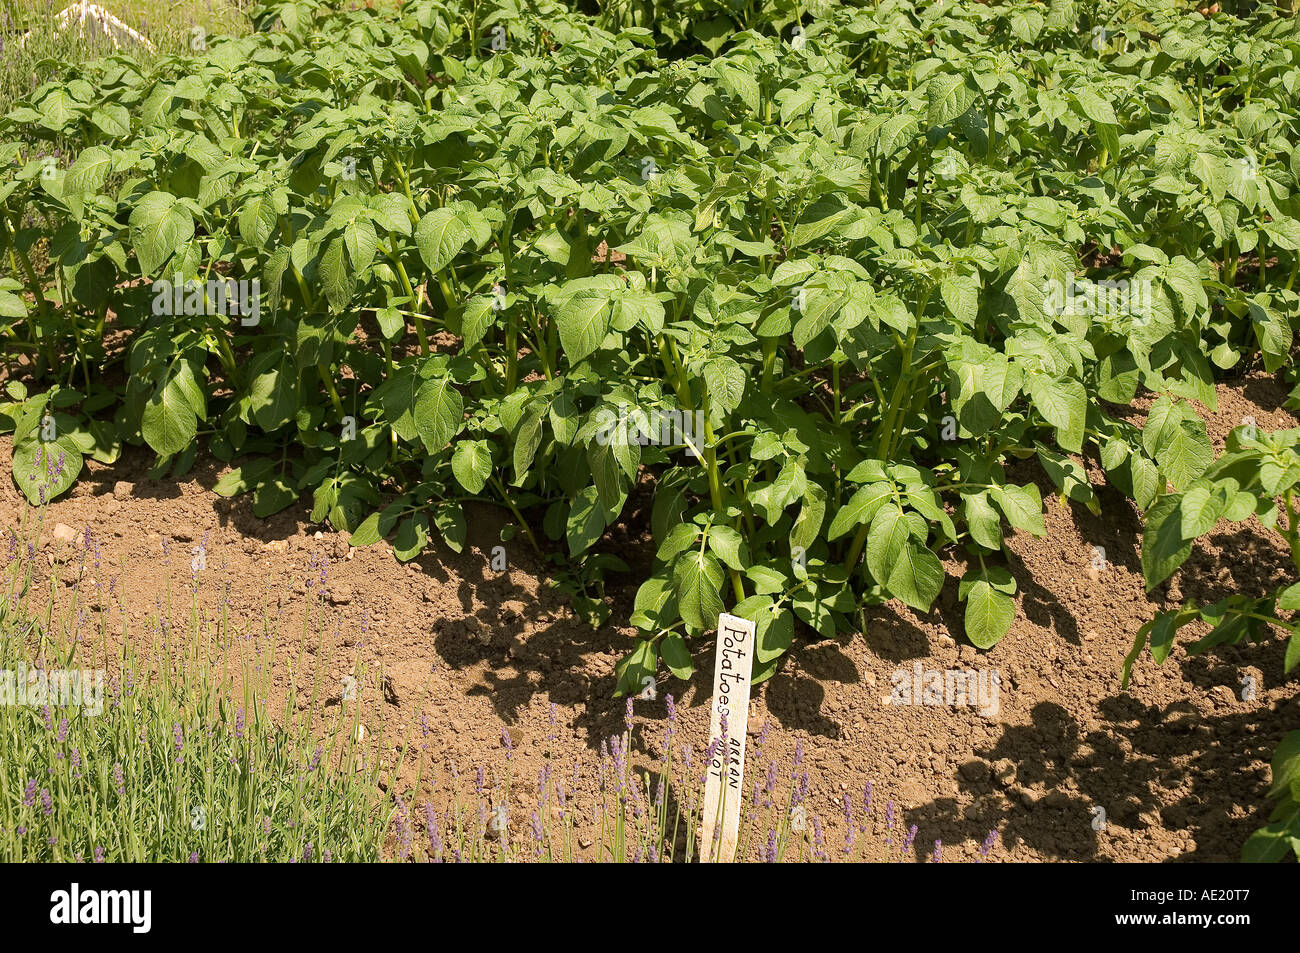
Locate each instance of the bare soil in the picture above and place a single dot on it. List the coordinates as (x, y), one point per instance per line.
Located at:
(461, 653)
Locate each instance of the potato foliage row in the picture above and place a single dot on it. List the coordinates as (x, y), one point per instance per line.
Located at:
(876, 265)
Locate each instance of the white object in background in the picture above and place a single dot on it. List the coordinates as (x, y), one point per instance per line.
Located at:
(109, 25)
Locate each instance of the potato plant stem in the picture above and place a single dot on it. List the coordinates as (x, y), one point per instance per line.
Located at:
(523, 523)
(410, 293)
(323, 370)
(716, 494)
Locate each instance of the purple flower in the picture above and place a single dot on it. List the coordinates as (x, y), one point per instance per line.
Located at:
(849, 827)
(535, 827)
(938, 847)
(178, 738)
(770, 856)
(29, 793)
(618, 757)
(119, 783)
(47, 803)
(402, 828)
(911, 836)
(769, 786)
(800, 793)
(435, 838)
(710, 751)
(987, 846)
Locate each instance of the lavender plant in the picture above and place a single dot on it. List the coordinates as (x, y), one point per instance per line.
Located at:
(164, 750)
(175, 754)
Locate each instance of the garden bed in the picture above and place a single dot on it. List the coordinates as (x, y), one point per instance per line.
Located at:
(1178, 761)
(436, 378)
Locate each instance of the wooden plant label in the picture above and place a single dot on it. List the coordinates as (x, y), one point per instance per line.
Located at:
(725, 780)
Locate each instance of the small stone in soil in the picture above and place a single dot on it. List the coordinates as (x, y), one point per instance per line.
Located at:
(1004, 772)
(390, 691)
(1222, 695)
(123, 490)
(1057, 799)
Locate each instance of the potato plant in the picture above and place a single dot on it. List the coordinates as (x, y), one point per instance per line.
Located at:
(1258, 475)
(840, 279)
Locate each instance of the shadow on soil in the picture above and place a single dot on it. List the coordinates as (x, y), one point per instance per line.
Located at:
(1149, 766)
